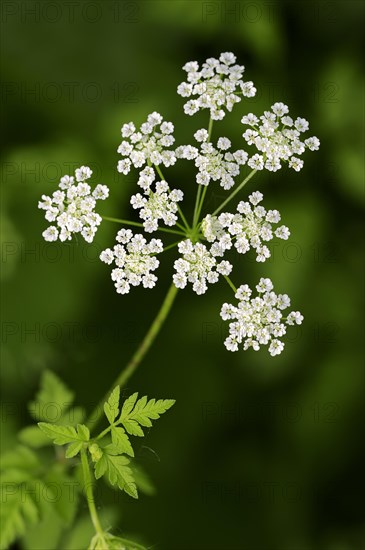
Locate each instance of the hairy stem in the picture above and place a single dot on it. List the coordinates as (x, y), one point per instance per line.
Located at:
(90, 495)
(234, 193)
(140, 352)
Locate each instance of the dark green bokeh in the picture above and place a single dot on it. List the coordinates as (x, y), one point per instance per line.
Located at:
(259, 452)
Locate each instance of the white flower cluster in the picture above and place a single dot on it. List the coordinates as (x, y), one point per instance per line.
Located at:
(198, 266)
(72, 207)
(277, 137)
(149, 144)
(258, 321)
(248, 228)
(213, 163)
(216, 86)
(158, 205)
(135, 260)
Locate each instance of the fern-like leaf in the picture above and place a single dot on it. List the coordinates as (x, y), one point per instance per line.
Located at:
(136, 413)
(116, 469)
(111, 407)
(18, 511)
(61, 435)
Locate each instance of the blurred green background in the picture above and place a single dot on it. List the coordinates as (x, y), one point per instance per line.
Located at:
(259, 452)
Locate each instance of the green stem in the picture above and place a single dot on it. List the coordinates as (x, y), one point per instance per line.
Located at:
(172, 245)
(107, 430)
(140, 352)
(210, 128)
(197, 201)
(230, 283)
(200, 197)
(124, 222)
(137, 224)
(90, 495)
(159, 171)
(187, 227)
(104, 432)
(183, 229)
(234, 193)
(201, 203)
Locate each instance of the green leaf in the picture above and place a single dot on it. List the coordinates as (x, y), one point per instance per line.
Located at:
(111, 450)
(121, 441)
(133, 428)
(101, 467)
(83, 431)
(73, 449)
(59, 434)
(46, 533)
(63, 492)
(18, 510)
(32, 436)
(144, 411)
(52, 400)
(121, 475)
(21, 457)
(117, 471)
(128, 405)
(140, 413)
(111, 407)
(65, 434)
(15, 476)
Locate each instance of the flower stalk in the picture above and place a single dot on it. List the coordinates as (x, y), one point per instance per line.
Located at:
(140, 352)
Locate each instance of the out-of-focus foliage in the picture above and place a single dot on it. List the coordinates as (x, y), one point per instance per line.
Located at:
(265, 453)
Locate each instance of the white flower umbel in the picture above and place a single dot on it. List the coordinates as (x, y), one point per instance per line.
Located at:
(158, 205)
(215, 164)
(216, 86)
(204, 239)
(258, 321)
(150, 144)
(135, 260)
(198, 266)
(278, 138)
(249, 228)
(72, 206)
